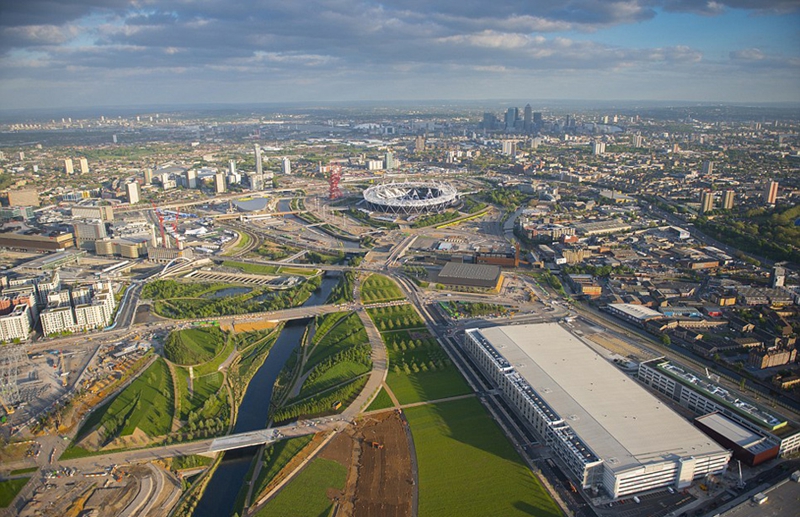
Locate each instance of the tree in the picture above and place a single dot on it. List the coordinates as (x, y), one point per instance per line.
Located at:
(665, 340)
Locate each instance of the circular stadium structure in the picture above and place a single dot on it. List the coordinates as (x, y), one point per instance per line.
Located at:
(411, 197)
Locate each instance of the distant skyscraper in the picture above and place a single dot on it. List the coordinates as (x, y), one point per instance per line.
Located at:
(389, 162)
(727, 200)
(148, 176)
(68, 168)
(132, 191)
(219, 183)
(256, 181)
(708, 168)
(510, 147)
(259, 166)
(114, 139)
(84, 166)
(286, 166)
(21, 155)
(638, 141)
(232, 167)
(770, 192)
(512, 114)
(537, 118)
(527, 118)
(419, 142)
(706, 201)
(598, 147)
(191, 178)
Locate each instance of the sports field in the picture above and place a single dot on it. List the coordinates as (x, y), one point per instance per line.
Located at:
(467, 467)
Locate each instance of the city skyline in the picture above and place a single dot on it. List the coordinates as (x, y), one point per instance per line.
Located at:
(124, 53)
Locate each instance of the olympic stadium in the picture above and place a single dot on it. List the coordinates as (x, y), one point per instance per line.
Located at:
(411, 197)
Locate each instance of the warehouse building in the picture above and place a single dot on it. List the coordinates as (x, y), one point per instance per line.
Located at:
(483, 276)
(611, 434)
(638, 314)
(703, 396)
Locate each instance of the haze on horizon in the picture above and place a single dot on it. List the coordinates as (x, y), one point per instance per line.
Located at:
(80, 53)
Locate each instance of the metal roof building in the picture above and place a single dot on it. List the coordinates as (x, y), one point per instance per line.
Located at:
(609, 431)
(470, 275)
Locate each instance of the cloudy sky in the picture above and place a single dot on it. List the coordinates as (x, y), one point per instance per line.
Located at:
(65, 53)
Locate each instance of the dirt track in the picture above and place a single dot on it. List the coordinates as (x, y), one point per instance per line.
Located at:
(379, 481)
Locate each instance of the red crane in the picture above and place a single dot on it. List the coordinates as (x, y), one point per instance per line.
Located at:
(175, 224)
(160, 225)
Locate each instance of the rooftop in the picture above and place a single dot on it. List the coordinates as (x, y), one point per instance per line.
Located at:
(622, 423)
(739, 435)
(636, 311)
(470, 271)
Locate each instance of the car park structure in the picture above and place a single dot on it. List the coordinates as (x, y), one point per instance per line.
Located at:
(609, 432)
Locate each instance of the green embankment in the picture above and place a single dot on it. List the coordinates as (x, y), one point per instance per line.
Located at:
(307, 494)
(419, 368)
(381, 401)
(459, 447)
(379, 289)
(9, 489)
(193, 346)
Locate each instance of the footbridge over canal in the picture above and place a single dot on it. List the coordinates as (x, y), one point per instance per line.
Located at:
(213, 446)
(274, 434)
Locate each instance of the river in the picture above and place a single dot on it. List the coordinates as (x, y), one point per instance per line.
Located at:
(221, 491)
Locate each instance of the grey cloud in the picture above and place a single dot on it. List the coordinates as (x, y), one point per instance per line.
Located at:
(713, 7)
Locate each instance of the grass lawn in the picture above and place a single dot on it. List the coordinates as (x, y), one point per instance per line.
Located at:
(337, 374)
(347, 333)
(212, 366)
(254, 269)
(378, 289)
(11, 487)
(419, 369)
(418, 387)
(204, 388)
(396, 317)
(381, 401)
(459, 447)
(276, 457)
(325, 323)
(244, 241)
(147, 403)
(194, 346)
(306, 495)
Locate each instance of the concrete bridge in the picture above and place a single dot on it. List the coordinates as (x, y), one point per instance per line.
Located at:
(213, 446)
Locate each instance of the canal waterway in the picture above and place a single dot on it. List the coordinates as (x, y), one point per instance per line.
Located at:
(223, 487)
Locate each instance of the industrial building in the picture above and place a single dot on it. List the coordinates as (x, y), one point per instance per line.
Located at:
(610, 433)
(483, 276)
(36, 240)
(703, 395)
(638, 314)
(750, 447)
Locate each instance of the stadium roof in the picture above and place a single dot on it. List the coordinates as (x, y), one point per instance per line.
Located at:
(623, 424)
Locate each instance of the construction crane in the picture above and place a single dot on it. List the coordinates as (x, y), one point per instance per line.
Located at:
(160, 216)
(175, 224)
